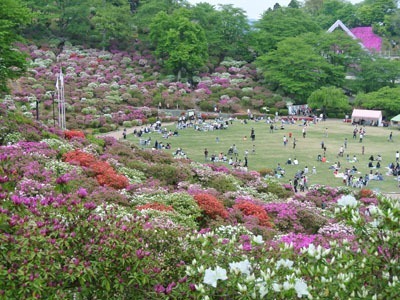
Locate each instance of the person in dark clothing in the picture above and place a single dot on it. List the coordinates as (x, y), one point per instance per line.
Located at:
(295, 184)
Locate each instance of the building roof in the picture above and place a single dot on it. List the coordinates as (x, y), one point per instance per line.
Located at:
(366, 114)
(367, 38)
(370, 40)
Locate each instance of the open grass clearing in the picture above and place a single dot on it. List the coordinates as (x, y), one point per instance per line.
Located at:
(269, 149)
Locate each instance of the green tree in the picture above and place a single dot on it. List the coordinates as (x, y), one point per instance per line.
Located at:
(227, 31)
(387, 99)
(338, 48)
(333, 10)
(112, 21)
(297, 69)
(374, 12)
(377, 73)
(179, 43)
(93, 23)
(328, 98)
(276, 25)
(13, 16)
(234, 31)
(148, 9)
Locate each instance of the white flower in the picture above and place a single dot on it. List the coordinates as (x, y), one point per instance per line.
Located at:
(301, 288)
(263, 289)
(258, 239)
(284, 263)
(211, 277)
(276, 287)
(242, 287)
(347, 200)
(243, 267)
(286, 285)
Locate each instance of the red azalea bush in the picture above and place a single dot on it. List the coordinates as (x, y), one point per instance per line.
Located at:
(366, 193)
(105, 174)
(251, 209)
(79, 157)
(211, 206)
(155, 206)
(69, 134)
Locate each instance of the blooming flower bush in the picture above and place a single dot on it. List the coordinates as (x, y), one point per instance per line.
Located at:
(73, 228)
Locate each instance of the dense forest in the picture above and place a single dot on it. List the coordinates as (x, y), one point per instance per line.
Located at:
(294, 55)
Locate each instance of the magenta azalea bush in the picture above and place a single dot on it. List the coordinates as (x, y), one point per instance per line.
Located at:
(204, 233)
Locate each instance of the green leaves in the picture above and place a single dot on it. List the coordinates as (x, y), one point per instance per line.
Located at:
(299, 70)
(328, 98)
(180, 43)
(13, 16)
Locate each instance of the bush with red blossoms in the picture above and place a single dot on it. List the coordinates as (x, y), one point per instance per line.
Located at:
(69, 134)
(103, 172)
(155, 206)
(211, 206)
(251, 209)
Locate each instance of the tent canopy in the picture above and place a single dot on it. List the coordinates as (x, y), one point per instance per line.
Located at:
(395, 119)
(367, 116)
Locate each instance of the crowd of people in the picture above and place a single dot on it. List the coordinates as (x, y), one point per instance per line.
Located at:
(351, 175)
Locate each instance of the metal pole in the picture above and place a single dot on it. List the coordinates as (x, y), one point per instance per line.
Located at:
(54, 115)
(37, 110)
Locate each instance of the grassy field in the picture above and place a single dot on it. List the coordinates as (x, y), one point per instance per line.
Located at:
(269, 149)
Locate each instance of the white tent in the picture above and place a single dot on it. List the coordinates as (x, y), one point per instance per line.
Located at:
(367, 117)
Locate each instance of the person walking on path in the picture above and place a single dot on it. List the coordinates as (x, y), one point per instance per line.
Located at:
(271, 128)
(390, 139)
(355, 133)
(205, 154)
(295, 183)
(252, 134)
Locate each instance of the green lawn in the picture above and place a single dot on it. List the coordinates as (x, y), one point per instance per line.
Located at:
(269, 149)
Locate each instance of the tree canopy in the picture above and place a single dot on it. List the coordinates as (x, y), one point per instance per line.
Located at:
(296, 69)
(276, 25)
(13, 16)
(386, 98)
(328, 98)
(180, 43)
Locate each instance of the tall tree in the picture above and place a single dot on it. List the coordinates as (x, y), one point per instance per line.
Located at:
(148, 9)
(386, 98)
(13, 16)
(333, 10)
(276, 25)
(93, 23)
(234, 31)
(227, 31)
(377, 73)
(179, 43)
(297, 69)
(112, 21)
(374, 12)
(328, 98)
